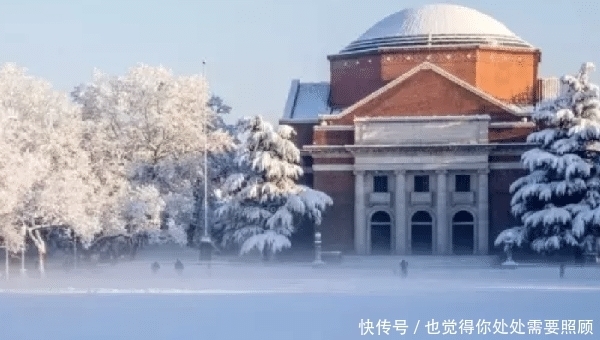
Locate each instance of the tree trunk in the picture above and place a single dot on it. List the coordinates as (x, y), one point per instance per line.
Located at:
(41, 248)
(578, 254)
(135, 244)
(42, 263)
(268, 254)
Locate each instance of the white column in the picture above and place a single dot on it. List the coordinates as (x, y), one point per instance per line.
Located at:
(441, 218)
(482, 212)
(400, 212)
(368, 180)
(360, 228)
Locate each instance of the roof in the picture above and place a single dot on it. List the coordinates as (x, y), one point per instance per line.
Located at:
(516, 110)
(437, 24)
(307, 101)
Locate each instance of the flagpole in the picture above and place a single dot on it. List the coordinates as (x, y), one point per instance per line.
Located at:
(205, 242)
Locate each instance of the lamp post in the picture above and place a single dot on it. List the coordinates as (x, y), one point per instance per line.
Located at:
(74, 250)
(23, 270)
(318, 260)
(205, 241)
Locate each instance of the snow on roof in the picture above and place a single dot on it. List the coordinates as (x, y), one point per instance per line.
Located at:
(437, 24)
(524, 110)
(306, 101)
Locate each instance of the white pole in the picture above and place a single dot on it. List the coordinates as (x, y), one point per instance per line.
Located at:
(23, 261)
(206, 235)
(318, 258)
(74, 251)
(205, 242)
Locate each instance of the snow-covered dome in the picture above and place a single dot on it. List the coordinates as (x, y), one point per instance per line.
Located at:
(436, 25)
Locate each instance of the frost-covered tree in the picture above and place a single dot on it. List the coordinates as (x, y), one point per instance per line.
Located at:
(44, 171)
(558, 201)
(18, 173)
(261, 203)
(147, 128)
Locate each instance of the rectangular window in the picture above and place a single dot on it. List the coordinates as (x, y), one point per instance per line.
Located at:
(309, 180)
(422, 183)
(307, 161)
(380, 183)
(462, 183)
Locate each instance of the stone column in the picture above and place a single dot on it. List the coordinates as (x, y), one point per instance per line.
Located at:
(400, 212)
(360, 228)
(441, 247)
(482, 212)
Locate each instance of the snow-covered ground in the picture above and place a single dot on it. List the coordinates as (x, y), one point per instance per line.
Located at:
(292, 301)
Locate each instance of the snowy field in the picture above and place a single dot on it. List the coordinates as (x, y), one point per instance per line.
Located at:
(256, 301)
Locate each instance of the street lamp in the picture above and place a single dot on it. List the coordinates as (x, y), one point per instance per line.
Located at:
(205, 241)
(318, 260)
(23, 270)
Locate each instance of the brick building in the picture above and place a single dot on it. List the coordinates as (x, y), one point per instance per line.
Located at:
(418, 134)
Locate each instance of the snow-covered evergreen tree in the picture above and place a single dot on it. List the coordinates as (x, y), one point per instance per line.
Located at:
(558, 201)
(261, 203)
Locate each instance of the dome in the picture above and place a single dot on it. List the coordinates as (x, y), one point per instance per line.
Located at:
(435, 25)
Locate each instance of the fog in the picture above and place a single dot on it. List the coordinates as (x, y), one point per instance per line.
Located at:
(287, 300)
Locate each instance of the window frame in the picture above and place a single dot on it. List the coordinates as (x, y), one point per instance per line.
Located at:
(425, 183)
(381, 183)
(458, 187)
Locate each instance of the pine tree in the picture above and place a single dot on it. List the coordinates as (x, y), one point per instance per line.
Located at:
(558, 201)
(261, 203)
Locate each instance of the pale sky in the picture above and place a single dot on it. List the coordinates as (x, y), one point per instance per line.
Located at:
(253, 48)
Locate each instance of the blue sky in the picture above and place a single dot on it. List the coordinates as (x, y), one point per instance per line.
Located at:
(253, 48)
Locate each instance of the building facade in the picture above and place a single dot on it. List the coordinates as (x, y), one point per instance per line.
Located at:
(419, 132)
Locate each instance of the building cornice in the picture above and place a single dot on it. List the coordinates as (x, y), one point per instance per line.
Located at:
(422, 119)
(431, 48)
(361, 149)
(504, 125)
(334, 128)
(298, 121)
(349, 151)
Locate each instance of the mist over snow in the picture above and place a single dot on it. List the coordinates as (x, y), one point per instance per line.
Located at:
(254, 300)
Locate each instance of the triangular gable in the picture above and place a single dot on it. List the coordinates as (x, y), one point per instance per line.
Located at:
(438, 70)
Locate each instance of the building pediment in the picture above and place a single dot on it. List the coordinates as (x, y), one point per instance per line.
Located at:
(427, 90)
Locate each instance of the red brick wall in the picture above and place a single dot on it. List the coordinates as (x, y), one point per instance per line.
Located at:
(460, 63)
(333, 137)
(354, 78)
(509, 135)
(338, 221)
(426, 93)
(499, 208)
(510, 76)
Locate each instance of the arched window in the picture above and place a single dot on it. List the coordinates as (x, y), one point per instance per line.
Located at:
(381, 233)
(381, 217)
(422, 233)
(463, 217)
(463, 233)
(422, 217)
